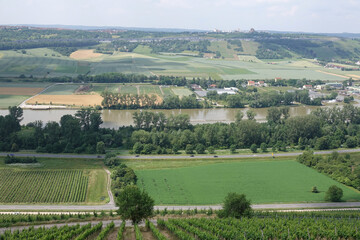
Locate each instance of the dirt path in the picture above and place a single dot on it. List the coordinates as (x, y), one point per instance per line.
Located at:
(108, 187)
(333, 74)
(161, 90)
(138, 89)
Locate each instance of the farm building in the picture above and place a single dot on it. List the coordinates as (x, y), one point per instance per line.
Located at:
(335, 85)
(307, 87)
(201, 93)
(223, 91)
(251, 83)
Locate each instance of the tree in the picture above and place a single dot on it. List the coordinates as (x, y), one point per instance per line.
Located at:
(239, 116)
(134, 204)
(250, 114)
(137, 148)
(236, 206)
(189, 149)
(233, 148)
(334, 194)
(253, 148)
(211, 150)
(263, 147)
(200, 148)
(100, 147)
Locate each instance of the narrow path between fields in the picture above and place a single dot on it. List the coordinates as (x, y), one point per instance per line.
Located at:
(108, 186)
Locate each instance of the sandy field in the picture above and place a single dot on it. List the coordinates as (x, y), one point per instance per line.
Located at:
(19, 91)
(85, 54)
(334, 74)
(73, 100)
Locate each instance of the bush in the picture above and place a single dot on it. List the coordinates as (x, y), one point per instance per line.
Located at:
(211, 150)
(314, 190)
(200, 149)
(233, 148)
(236, 206)
(253, 148)
(189, 149)
(334, 194)
(263, 147)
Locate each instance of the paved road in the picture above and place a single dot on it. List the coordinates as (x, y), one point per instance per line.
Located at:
(177, 156)
(271, 206)
(109, 207)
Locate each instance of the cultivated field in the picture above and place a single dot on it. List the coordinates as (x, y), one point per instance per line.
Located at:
(43, 186)
(261, 181)
(47, 63)
(12, 94)
(69, 100)
(53, 181)
(83, 54)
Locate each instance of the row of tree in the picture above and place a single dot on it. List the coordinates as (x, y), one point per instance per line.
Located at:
(324, 128)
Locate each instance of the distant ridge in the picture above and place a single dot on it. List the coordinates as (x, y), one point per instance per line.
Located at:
(80, 27)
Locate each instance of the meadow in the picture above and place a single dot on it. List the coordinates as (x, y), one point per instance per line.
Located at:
(74, 181)
(261, 181)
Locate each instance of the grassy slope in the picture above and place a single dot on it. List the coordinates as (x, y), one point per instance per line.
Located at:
(14, 63)
(96, 194)
(261, 181)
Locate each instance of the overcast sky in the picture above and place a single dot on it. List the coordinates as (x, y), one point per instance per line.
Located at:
(283, 15)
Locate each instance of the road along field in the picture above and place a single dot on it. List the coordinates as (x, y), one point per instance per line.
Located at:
(53, 181)
(262, 182)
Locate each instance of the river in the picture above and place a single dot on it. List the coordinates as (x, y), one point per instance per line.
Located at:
(118, 118)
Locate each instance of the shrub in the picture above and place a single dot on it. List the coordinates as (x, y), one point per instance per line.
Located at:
(334, 194)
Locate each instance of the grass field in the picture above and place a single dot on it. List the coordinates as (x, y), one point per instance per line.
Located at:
(261, 181)
(54, 181)
(11, 100)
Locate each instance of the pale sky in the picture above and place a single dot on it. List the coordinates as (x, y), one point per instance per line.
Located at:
(282, 15)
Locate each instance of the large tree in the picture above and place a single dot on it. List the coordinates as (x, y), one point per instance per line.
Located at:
(134, 204)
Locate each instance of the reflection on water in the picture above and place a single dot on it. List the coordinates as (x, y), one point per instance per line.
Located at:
(117, 118)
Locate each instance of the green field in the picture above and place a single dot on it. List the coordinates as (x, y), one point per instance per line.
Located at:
(61, 89)
(11, 100)
(261, 181)
(128, 89)
(74, 181)
(42, 63)
(150, 90)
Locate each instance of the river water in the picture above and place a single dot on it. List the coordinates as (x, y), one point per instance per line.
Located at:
(118, 118)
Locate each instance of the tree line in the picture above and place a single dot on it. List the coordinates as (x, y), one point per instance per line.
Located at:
(324, 128)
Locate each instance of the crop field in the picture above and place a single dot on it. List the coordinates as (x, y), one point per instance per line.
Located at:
(261, 181)
(128, 89)
(150, 90)
(46, 62)
(43, 186)
(88, 100)
(262, 228)
(85, 54)
(61, 89)
(74, 181)
(11, 100)
(181, 91)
